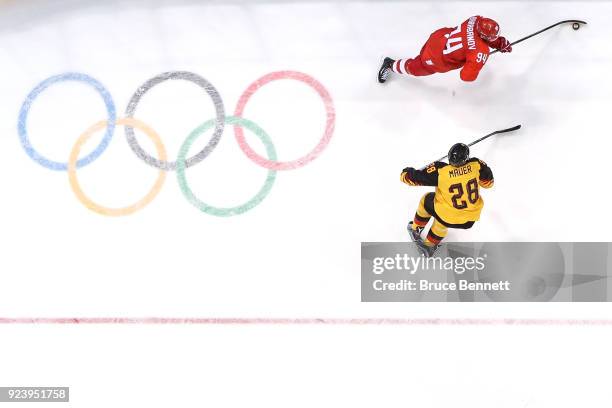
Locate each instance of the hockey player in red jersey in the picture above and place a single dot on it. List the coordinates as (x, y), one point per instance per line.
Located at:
(466, 46)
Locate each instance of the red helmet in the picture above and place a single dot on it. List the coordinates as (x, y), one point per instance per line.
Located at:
(487, 28)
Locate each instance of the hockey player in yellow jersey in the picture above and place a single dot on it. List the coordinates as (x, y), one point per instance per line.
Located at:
(456, 202)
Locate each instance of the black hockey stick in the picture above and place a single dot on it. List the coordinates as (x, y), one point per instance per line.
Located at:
(575, 26)
(497, 132)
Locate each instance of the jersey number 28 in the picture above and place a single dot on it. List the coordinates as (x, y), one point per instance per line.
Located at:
(457, 191)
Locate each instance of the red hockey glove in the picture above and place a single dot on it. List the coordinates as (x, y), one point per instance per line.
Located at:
(501, 44)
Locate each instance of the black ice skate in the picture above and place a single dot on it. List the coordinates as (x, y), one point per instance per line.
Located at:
(385, 70)
(415, 235)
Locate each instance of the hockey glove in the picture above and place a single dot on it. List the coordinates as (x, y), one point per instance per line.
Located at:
(501, 44)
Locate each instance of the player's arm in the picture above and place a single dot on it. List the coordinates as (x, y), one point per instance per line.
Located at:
(485, 178)
(475, 61)
(470, 72)
(426, 177)
(472, 68)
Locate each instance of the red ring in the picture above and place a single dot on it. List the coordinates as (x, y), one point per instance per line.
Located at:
(329, 126)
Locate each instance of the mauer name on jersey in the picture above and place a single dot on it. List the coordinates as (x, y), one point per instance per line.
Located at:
(460, 171)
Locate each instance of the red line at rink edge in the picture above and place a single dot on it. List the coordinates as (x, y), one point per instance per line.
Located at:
(305, 321)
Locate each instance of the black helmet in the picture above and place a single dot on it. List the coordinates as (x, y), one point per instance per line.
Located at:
(458, 154)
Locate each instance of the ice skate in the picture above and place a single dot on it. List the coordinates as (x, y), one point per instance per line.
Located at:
(415, 235)
(385, 70)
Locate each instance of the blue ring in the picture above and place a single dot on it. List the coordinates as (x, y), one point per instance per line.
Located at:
(25, 110)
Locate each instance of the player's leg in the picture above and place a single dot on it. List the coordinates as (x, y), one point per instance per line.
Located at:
(420, 220)
(411, 66)
(422, 216)
(404, 66)
(436, 234)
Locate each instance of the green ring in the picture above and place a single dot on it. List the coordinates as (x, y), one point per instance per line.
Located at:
(225, 212)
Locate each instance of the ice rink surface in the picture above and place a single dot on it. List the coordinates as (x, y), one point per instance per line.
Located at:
(297, 253)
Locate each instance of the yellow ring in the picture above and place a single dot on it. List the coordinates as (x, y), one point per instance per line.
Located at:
(115, 212)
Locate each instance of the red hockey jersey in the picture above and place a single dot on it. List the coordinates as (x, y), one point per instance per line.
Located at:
(454, 48)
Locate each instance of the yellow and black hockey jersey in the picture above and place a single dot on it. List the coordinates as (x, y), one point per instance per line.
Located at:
(457, 198)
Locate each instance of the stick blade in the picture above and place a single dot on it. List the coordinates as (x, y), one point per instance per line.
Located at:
(575, 21)
(512, 129)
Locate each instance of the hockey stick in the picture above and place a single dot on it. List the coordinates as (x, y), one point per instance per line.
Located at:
(575, 26)
(497, 132)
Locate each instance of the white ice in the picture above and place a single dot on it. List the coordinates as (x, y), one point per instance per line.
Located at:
(298, 253)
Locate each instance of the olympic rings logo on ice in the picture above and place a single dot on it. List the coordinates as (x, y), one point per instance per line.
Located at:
(182, 162)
